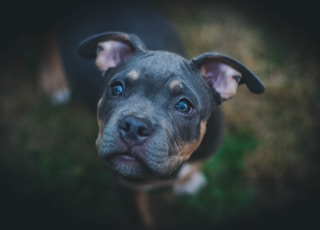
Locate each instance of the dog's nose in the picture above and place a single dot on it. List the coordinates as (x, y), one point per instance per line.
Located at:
(135, 130)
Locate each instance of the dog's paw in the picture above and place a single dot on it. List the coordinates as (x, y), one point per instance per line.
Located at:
(190, 181)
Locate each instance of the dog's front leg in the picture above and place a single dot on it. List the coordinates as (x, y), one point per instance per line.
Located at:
(143, 206)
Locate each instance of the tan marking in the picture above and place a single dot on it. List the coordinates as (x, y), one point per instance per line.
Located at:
(100, 125)
(175, 84)
(100, 132)
(133, 75)
(188, 148)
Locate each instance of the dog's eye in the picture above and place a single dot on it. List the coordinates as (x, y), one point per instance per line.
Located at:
(117, 89)
(184, 106)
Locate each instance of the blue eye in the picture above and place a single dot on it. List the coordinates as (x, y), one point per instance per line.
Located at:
(184, 106)
(117, 89)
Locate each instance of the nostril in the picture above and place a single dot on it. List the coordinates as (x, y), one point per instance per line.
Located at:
(125, 126)
(134, 129)
(144, 131)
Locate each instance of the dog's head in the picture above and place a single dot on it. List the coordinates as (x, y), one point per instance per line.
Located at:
(153, 113)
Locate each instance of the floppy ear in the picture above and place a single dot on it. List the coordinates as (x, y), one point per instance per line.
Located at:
(224, 74)
(109, 49)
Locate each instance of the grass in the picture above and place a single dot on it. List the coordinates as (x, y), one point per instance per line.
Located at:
(268, 161)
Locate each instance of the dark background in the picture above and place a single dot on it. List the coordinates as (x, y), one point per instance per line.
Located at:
(19, 17)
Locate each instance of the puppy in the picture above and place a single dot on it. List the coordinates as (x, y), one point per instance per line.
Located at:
(159, 115)
(158, 109)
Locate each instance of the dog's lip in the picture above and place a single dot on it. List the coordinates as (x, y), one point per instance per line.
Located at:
(124, 156)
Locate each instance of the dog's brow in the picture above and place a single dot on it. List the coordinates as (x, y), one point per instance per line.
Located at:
(133, 75)
(175, 85)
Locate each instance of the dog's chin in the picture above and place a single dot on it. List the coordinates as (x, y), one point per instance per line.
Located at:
(127, 165)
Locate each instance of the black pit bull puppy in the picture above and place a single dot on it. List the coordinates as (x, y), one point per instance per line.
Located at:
(158, 116)
(158, 113)
(154, 112)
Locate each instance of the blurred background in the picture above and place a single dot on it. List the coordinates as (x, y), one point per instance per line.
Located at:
(266, 174)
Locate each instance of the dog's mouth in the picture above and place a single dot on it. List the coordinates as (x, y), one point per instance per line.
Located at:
(127, 164)
(124, 158)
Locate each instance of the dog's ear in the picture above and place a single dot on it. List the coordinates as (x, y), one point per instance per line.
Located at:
(110, 48)
(224, 74)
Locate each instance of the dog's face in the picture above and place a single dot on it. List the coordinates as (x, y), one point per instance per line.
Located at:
(153, 113)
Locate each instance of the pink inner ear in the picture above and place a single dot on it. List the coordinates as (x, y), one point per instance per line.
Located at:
(111, 54)
(222, 78)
